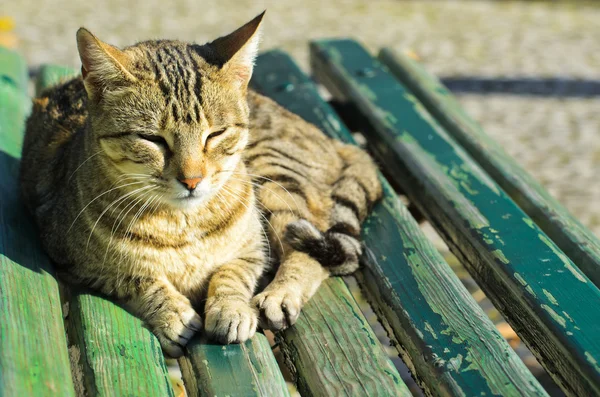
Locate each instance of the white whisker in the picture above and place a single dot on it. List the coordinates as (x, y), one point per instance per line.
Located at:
(96, 198)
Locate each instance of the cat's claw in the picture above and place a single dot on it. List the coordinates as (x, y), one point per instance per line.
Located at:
(278, 308)
(175, 329)
(230, 322)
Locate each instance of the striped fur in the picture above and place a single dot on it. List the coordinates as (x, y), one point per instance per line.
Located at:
(315, 192)
(105, 160)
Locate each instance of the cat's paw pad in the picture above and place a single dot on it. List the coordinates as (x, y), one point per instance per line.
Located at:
(278, 309)
(230, 322)
(175, 328)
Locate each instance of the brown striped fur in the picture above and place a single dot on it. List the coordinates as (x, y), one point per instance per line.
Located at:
(107, 161)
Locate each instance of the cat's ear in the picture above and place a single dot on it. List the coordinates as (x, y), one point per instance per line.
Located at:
(238, 50)
(103, 66)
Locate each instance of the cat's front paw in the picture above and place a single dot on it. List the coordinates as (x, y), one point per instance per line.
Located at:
(175, 327)
(230, 321)
(279, 308)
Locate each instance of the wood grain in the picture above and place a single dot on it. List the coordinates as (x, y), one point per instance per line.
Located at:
(450, 345)
(574, 239)
(33, 348)
(332, 349)
(117, 355)
(249, 369)
(530, 280)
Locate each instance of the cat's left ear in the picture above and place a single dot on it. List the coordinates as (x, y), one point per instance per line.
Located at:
(238, 50)
(103, 66)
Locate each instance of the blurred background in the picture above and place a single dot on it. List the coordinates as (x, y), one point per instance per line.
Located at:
(528, 71)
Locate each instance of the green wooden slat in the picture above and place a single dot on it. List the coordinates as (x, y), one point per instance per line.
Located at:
(578, 242)
(551, 304)
(13, 69)
(332, 348)
(249, 369)
(117, 355)
(33, 349)
(444, 337)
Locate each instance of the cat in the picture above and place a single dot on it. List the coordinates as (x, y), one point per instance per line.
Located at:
(158, 178)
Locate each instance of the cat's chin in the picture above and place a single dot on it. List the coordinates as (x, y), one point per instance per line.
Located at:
(188, 203)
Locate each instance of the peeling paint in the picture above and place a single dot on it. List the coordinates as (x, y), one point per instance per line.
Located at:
(567, 316)
(529, 222)
(557, 317)
(568, 264)
(455, 363)
(429, 328)
(520, 279)
(550, 297)
(592, 360)
(500, 256)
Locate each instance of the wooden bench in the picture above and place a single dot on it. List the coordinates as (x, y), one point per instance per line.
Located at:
(530, 260)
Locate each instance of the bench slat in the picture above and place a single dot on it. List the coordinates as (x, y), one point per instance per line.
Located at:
(115, 354)
(578, 242)
(332, 348)
(249, 369)
(33, 349)
(441, 331)
(534, 284)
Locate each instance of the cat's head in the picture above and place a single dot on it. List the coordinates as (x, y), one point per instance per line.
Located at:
(168, 116)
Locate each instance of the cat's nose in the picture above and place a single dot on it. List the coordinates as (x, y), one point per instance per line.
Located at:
(190, 183)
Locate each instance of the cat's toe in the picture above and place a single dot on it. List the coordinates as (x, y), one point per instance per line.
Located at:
(231, 322)
(175, 329)
(278, 309)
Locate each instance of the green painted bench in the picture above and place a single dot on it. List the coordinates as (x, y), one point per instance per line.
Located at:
(538, 265)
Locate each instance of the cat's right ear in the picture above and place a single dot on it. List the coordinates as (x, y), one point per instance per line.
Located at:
(103, 66)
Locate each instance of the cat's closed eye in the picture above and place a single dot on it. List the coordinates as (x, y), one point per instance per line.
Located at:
(159, 140)
(216, 134)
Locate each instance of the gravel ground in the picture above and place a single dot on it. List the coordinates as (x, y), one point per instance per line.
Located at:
(553, 137)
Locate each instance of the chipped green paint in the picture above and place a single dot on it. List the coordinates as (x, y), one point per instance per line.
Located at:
(557, 317)
(550, 297)
(421, 166)
(520, 279)
(410, 284)
(592, 361)
(33, 349)
(430, 329)
(529, 222)
(332, 348)
(568, 264)
(117, 353)
(500, 256)
(528, 288)
(579, 243)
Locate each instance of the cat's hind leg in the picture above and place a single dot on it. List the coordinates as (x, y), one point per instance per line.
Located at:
(339, 248)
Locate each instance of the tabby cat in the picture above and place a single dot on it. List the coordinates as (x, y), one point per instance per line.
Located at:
(158, 178)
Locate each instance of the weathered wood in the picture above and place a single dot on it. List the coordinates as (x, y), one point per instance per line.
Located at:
(578, 242)
(249, 369)
(33, 348)
(332, 349)
(444, 337)
(116, 354)
(530, 280)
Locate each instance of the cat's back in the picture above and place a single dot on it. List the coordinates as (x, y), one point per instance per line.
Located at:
(58, 116)
(298, 144)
